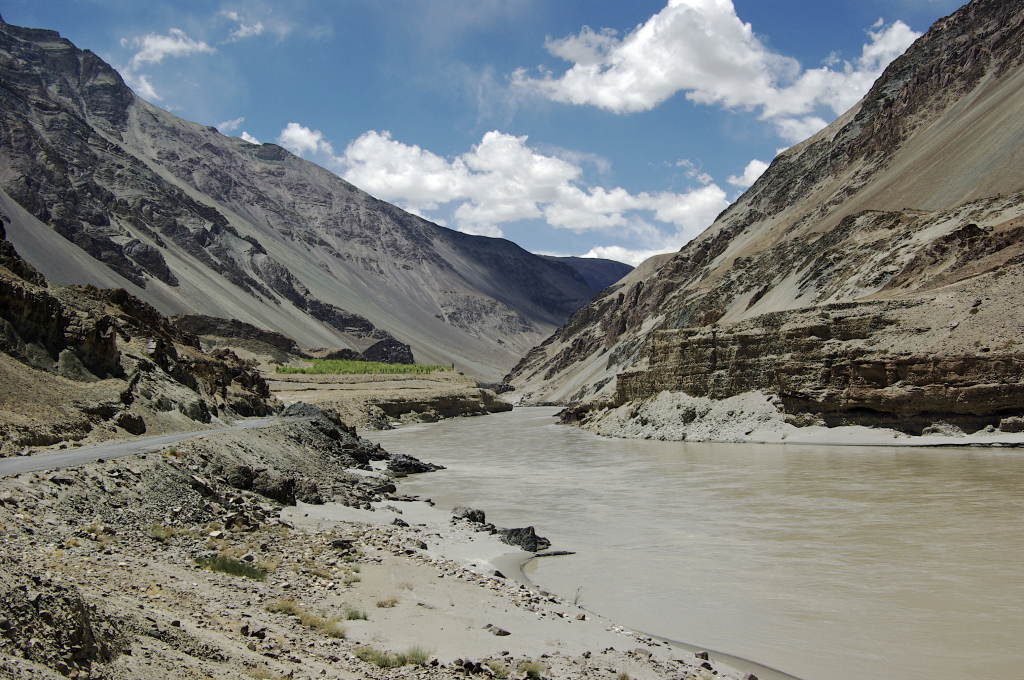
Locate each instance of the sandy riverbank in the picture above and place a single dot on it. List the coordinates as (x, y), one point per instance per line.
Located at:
(756, 417)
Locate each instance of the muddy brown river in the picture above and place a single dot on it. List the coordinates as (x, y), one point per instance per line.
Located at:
(821, 561)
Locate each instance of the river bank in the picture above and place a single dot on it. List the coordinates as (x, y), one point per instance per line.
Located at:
(102, 574)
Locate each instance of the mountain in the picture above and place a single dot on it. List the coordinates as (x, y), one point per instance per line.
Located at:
(598, 273)
(102, 188)
(872, 275)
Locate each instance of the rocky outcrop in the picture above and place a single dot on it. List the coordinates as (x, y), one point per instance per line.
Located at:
(200, 324)
(389, 351)
(148, 364)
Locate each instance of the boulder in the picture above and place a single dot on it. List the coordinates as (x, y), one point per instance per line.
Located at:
(1013, 424)
(526, 538)
(400, 463)
(469, 514)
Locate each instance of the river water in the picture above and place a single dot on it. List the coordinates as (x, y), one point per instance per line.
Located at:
(824, 562)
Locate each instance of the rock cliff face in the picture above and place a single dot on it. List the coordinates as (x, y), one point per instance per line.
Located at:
(871, 275)
(79, 362)
(192, 221)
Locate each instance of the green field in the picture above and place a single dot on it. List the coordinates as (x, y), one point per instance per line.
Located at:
(325, 366)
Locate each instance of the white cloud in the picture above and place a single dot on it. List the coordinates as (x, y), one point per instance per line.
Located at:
(249, 138)
(152, 49)
(229, 125)
(299, 140)
(246, 31)
(502, 180)
(693, 171)
(630, 257)
(754, 169)
(701, 47)
(140, 85)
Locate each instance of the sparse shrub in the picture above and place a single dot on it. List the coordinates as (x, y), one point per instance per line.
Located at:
(159, 533)
(353, 614)
(285, 606)
(355, 568)
(329, 626)
(232, 566)
(261, 672)
(499, 669)
(414, 656)
(531, 669)
(349, 579)
(387, 602)
(404, 586)
(623, 675)
(377, 657)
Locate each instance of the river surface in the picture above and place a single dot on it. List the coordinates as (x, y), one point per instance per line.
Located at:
(821, 561)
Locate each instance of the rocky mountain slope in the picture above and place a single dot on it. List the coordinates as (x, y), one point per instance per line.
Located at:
(872, 275)
(598, 273)
(102, 188)
(81, 363)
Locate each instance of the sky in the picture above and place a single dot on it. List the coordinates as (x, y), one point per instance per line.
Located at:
(595, 128)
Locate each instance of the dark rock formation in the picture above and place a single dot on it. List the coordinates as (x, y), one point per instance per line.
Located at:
(389, 351)
(526, 538)
(199, 324)
(469, 514)
(402, 464)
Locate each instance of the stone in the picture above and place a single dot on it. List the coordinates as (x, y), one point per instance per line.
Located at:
(495, 630)
(526, 538)
(1011, 425)
(701, 655)
(469, 514)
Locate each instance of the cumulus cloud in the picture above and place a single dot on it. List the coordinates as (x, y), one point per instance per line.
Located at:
(754, 169)
(244, 30)
(701, 47)
(249, 138)
(300, 140)
(229, 125)
(502, 180)
(152, 49)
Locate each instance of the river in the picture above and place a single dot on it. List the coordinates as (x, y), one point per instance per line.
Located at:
(826, 562)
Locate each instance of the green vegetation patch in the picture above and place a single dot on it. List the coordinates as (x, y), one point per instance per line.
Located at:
(325, 366)
(232, 566)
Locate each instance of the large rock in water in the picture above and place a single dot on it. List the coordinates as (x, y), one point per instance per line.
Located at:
(526, 538)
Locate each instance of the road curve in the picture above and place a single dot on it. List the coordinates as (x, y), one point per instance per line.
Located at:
(72, 457)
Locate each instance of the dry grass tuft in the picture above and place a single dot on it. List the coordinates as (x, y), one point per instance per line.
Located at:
(387, 602)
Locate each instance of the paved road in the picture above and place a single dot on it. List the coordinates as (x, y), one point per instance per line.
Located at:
(72, 457)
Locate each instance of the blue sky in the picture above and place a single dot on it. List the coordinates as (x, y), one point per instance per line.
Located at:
(615, 129)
